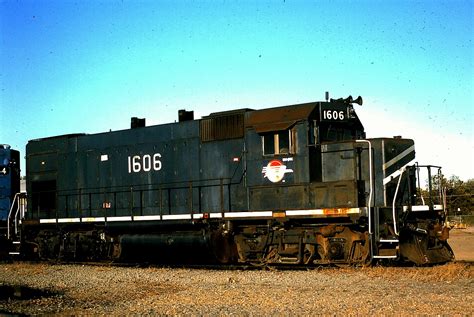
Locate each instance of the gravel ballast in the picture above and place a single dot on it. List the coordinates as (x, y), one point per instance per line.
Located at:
(107, 290)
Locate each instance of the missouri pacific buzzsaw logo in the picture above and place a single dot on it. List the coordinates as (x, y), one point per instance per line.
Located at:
(275, 171)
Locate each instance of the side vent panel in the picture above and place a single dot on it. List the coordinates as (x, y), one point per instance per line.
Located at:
(222, 127)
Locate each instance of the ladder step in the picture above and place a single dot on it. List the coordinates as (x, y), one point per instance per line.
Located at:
(288, 260)
(388, 252)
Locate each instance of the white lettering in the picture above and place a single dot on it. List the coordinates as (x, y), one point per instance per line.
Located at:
(156, 161)
(136, 163)
(144, 163)
(333, 115)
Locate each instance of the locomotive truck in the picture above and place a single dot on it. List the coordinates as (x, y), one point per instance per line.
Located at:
(298, 184)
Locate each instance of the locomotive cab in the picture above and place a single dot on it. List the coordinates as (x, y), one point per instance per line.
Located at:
(298, 150)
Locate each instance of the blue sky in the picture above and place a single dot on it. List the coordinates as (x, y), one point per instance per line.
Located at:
(88, 66)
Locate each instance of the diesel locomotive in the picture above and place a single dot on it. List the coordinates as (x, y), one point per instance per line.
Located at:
(9, 191)
(298, 184)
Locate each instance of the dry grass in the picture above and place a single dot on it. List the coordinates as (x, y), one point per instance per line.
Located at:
(440, 273)
(97, 290)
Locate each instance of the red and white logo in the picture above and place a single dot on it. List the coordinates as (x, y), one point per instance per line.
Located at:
(275, 171)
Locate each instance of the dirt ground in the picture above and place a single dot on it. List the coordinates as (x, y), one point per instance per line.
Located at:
(118, 291)
(462, 243)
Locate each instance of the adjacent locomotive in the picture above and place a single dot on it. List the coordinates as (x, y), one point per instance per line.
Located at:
(297, 184)
(9, 191)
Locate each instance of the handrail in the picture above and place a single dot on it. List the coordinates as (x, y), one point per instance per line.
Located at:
(419, 181)
(440, 189)
(444, 202)
(395, 229)
(20, 207)
(430, 184)
(223, 184)
(145, 187)
(168, 186)
(17, 196)
(370, 181)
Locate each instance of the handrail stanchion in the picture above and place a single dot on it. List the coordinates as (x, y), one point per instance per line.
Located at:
(19, 204)
(395, 228)
(370, 182)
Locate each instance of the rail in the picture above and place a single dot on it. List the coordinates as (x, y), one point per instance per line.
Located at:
(19, 200)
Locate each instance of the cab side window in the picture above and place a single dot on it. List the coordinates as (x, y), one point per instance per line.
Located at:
(278, 143)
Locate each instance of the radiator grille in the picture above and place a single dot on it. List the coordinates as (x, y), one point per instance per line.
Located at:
(222, 127)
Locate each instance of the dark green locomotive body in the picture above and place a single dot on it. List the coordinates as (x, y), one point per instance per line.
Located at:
(294, 184)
